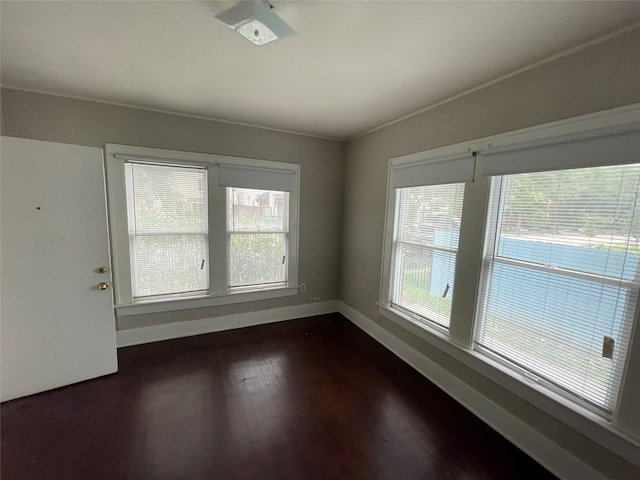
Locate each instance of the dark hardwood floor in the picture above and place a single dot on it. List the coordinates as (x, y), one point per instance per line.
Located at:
(307, 399)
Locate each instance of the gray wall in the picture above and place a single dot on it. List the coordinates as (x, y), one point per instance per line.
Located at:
(64, 120)
(598, 78)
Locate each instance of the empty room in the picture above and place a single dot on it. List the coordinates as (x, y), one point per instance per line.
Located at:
(319, 240)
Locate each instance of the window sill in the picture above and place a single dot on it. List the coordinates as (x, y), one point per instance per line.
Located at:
(175, 304)
(581, 419)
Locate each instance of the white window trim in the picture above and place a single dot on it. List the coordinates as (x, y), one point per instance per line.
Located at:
(184, 303)
(620, 434)
(219, 293)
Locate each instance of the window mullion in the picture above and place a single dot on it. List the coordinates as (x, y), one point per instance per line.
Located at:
(469, 261)
(218, 249)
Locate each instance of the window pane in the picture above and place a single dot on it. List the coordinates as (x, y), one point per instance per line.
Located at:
(166, 199)
(553, 217)
(168, 264)
(168, 225)
(257, 210)
(258, 224)
(257, 259)
(425, 248)
(564, 279)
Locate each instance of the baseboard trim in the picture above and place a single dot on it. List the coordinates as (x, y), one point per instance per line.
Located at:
(554, 458)
(156, 333)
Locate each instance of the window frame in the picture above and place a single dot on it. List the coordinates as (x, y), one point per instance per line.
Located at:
(492, 258)
(614, 432)
(395, 242)
(219, 293)
(285, 233)
(135, 235)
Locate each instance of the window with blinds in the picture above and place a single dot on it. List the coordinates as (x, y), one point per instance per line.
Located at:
(560, 282)
(257, 235)
(424, 250)
(168, 229)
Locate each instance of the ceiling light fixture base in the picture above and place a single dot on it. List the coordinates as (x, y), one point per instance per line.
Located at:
(256, 21)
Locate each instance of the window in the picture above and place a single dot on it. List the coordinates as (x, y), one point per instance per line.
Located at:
(424, 215)
(560, 284)
(192, 230)
(424, 249)
(168, 225)
(258, 230)
(541, 232)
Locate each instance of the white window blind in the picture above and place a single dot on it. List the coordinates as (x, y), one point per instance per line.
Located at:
(258, 236)
(561, 278)
(168, 229)
(562, 154)
(267, 178)
(452, 169)
(424, 250)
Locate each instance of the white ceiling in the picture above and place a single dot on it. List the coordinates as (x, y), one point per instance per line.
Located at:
(355, 65)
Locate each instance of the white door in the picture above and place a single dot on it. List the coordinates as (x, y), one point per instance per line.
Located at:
(56, 325)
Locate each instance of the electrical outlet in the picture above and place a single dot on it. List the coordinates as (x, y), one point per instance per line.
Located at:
(303, 287)
(316, 299)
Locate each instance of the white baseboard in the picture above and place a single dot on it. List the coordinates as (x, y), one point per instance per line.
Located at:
(156, 333)
(546, 452)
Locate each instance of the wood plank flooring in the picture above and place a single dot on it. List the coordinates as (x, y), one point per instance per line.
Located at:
(313, 398)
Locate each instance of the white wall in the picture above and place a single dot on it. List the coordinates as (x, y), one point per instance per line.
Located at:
(599, 78)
